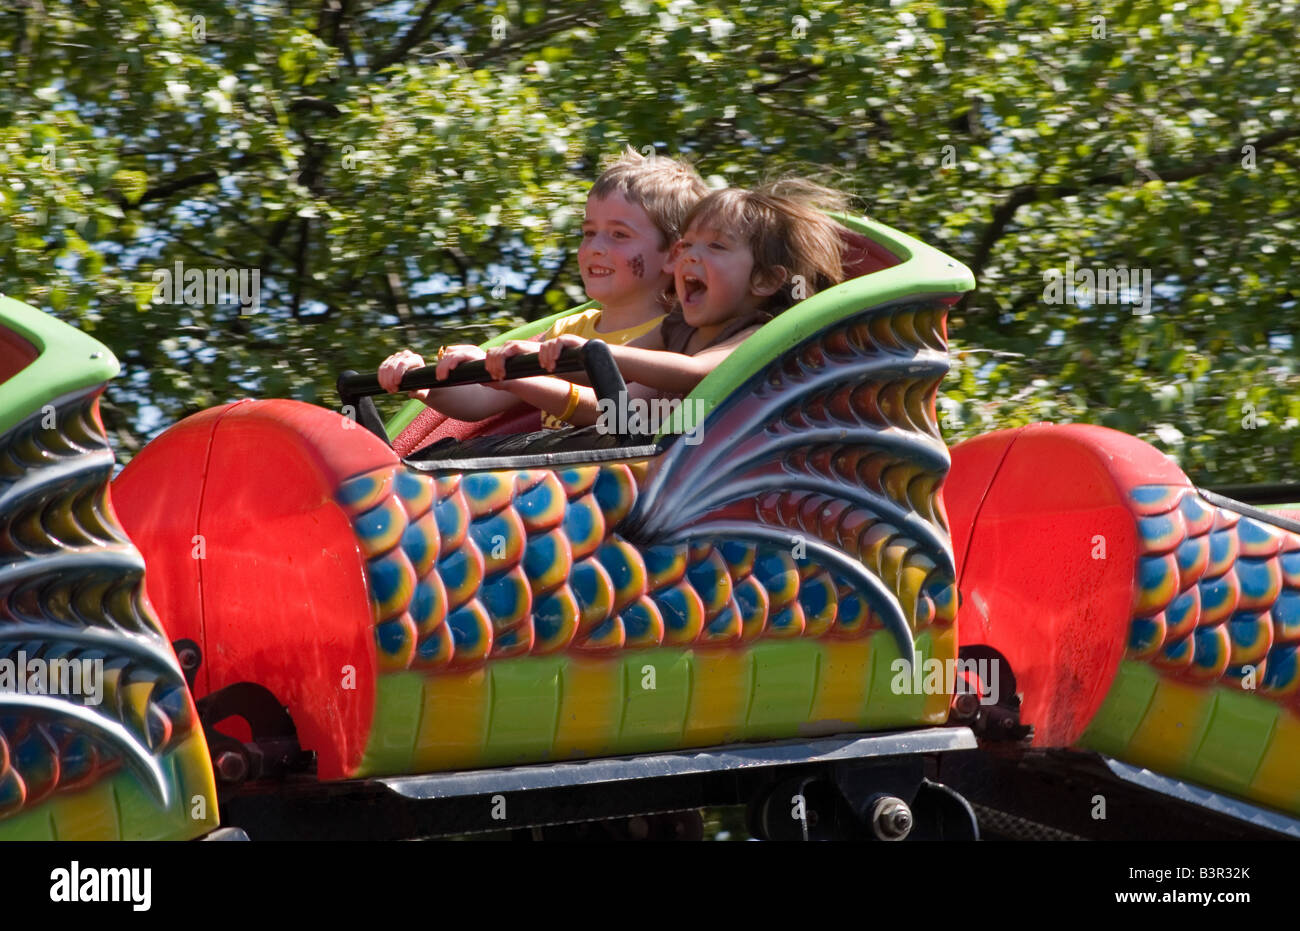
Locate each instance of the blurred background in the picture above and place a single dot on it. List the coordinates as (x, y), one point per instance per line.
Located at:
(406, 173)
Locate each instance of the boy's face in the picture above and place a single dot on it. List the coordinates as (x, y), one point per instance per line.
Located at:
(713, 273)
(620, 258)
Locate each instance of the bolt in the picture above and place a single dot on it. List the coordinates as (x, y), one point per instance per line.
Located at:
(966, 705)
(231, 766)
(189, 659)
(891, 819)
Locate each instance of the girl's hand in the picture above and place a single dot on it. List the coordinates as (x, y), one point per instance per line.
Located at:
(451, 356)
(549, 353)
(394, 369)
(496, 358)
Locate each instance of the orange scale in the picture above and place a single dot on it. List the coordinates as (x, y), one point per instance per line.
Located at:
(395, 641)
(615, 491)
(417, 492)
(392, 581)
(421, 543)
(501, 538)
(1158, 579)
(682, 611)
(1261, 583)
(926, 613)
(698, 552)
(1214, 644)
(1258, 540)
(529, 478)
(606, 637)
(447, 484)
(1224, 519)
(555, 621)
(365, 491)
(711, 579)
(584, 526)
(1289, 560)
(452, 516)
(1219, 598)
(1198, 515)
(1193, 557)
(1251, 637)
(462, 573)
(1175, 655)
(1160, 533)
(518, 641)
(1183, 614)
(380, 527)
(542, 504)
(643, 624)
(471, 631)
(578, 481)
(487, 492)
(594, 589)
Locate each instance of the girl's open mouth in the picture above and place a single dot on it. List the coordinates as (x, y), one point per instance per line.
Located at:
(693, 289)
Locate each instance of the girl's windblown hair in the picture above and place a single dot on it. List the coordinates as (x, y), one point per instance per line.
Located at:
(784, 223)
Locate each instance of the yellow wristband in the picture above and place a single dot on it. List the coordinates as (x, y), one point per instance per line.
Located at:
(574, 397)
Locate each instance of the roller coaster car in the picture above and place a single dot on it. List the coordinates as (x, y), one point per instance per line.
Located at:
(350, 613)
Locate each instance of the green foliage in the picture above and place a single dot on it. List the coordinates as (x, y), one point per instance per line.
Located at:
(385, 164)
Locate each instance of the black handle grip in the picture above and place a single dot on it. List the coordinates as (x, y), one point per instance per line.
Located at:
(594, 358)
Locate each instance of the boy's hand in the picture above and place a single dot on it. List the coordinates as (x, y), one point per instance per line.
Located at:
(394, 369)
(496, 358)
(451, 356)
(549, 353)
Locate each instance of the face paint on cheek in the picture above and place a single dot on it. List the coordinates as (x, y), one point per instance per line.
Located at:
(637, 264)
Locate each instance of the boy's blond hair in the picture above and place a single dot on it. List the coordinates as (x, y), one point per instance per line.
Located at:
(666, 189)
(784, 223)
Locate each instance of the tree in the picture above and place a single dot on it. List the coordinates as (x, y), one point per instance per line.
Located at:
(410, 173)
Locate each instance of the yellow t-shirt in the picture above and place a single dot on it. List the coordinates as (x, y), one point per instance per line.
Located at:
(584, 325)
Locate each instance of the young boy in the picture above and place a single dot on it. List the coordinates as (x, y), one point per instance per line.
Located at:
(634, 215)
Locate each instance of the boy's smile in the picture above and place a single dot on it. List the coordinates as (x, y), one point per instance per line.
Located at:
(620, 258)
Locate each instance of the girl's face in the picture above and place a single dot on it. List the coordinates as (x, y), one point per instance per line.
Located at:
(620, 259)
(714, 272)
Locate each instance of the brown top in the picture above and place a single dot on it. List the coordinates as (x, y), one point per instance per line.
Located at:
(677, 333)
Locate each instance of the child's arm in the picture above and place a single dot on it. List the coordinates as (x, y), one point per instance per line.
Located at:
(646, 362)
(464, 402)
(553, 395)
(667, 372)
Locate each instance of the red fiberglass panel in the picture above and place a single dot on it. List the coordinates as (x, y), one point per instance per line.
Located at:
(157, 501)
(1049, 573)
(285, 596)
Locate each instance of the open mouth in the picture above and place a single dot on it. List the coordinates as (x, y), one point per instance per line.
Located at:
(693, 289)
(599, 271)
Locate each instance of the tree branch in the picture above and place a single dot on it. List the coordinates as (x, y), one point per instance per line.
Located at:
(409, 40)
(1031, 193)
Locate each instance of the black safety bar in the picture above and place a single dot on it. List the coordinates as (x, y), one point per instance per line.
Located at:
(594, 358)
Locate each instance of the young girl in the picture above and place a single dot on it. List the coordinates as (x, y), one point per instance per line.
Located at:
(746, 256)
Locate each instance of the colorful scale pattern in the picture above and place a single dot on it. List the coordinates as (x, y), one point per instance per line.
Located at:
(130, 766)
(836, 442)
(768, 574)
(1218, 593)
(1207, 689)
(468, 568)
